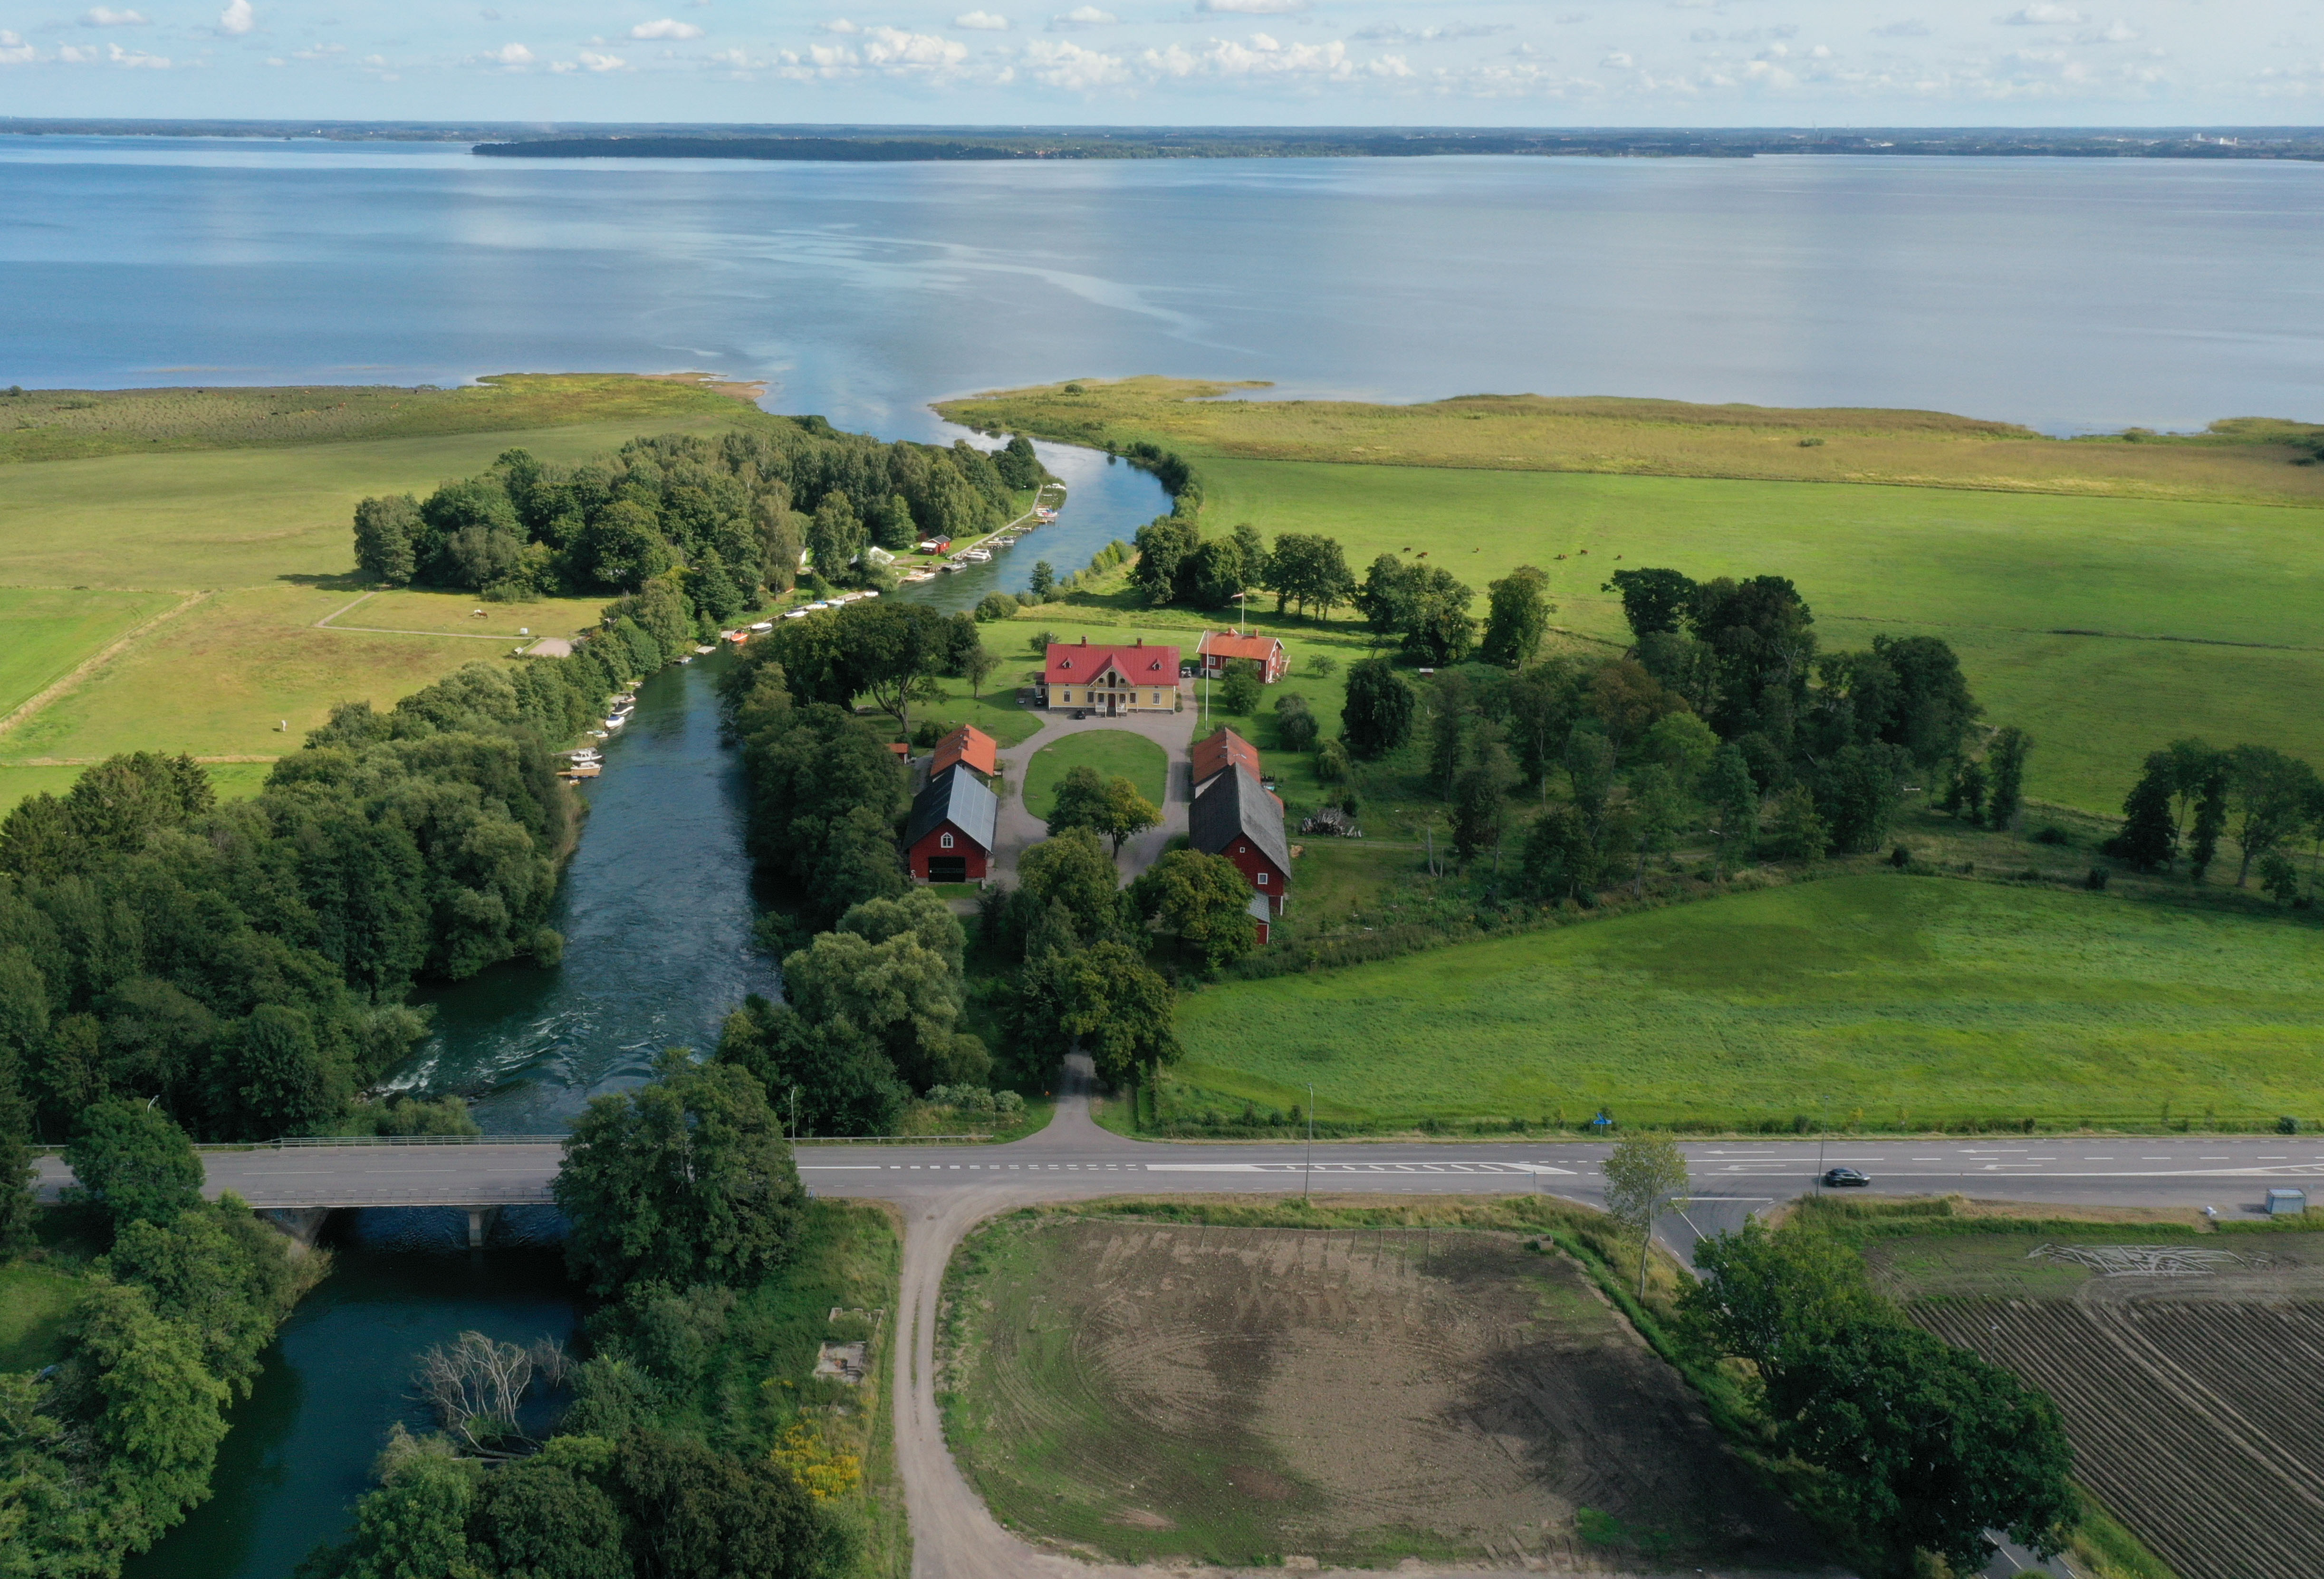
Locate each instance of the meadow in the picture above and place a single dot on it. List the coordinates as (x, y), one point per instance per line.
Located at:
(1909, 1002)
(2247, 458)
(1114, 753)
(237, 534)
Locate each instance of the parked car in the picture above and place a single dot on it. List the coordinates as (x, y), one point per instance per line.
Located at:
(1081, 712)
(1845, 1179)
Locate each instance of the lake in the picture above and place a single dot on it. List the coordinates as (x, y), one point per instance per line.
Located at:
(2073, 295)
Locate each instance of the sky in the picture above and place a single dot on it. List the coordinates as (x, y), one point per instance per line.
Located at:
(1184, 62)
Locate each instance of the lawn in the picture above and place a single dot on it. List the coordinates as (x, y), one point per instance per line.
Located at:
(1910, 1002)
(1114, 753)
(409, 609)
(33, 1303)
(2103, 627)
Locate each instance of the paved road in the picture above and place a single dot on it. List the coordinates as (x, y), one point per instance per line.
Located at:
(1018, 829)
(945, 1191)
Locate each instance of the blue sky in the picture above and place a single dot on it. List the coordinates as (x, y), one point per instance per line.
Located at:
(1485, 62)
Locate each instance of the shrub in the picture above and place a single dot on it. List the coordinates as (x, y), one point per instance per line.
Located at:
(2287, 1126)
(996, 606)
(2053, 834)
(1332, 762)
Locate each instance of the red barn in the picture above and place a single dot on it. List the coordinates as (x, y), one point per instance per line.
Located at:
(1234, 818)
(949, 838)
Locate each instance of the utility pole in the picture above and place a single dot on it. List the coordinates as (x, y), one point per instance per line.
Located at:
(1307, 1174)
(1823, 1123)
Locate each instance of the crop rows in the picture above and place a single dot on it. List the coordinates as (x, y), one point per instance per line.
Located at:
(2192, 1422)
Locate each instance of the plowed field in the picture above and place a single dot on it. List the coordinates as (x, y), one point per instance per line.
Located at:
(2191, 1377)
(1241, 1395)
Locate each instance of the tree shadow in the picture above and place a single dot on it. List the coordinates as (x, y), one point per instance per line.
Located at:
(345, 581)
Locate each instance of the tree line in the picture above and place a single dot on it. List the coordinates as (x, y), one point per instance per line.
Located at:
(732, 513)
(244, 965)
(103, 1453)
(690, 1223)
(2190, 794)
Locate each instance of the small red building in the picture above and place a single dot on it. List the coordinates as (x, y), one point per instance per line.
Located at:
(1233, 817)
(1221, 647)
(949, 838)
(967, 746)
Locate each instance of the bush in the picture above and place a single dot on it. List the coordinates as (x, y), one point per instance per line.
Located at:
(1241, 690)
(2096, 880)
(1040, 642)
(2053, 834)
(1332, 762)
(2287, 1126)
(996, 606)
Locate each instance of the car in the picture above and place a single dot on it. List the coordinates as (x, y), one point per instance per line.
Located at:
(1081, 712)
(1845, 1179)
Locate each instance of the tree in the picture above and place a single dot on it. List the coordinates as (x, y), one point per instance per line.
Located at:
(1646, 1176)
(288, 1087)
(1734, 802)
(1933, 709)
(384, 531)
(1203, 901)
(687, 1178)
(1106, 999)
(900, 992)
(1242, 689)
(1683, 743)
(1797, 833)
(1164, 546)
(415, 1522)
(694, 1513)
(835, 537)
(995, 606)
(18, 1172)
(1628, 701)
(1560, 860)
(1542, 701)
(2211, 819)
(1857, 794)
(1388, 598)
(2007, 756)
(977, 668)
(1307, 570)
(2192, 765)
(1378, 713)
(1072, 870)
(135, 1163)
(1517, 618)
(1652, 601)
(1045, 579)
(1216, 572)
(1110, 807)
(1448, 701)
(1480, 799)
(2149, 837)
(1438, 630)
(1966, 794)
(544, 1522)
(831, 1079)
(1658, 808)
(2269, 794)
(1296, 727)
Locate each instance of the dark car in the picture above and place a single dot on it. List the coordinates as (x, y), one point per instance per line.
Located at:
(1081, 712)
(1846, 1177)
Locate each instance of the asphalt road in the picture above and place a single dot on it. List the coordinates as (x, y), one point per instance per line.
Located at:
(943, 1191)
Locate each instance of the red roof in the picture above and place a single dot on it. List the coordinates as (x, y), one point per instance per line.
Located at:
(1229, 644)
(966, 744)
(1078, 663)
(1217, 751)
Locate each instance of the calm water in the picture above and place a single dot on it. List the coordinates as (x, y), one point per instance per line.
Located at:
(2071, 294)
(337, 1379)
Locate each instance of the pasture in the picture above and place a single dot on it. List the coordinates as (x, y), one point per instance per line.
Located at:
(2175, 1359)
(1911, 1002)
(51, 630)
(1169, 1391)
(2103, 626)
(1114, 753)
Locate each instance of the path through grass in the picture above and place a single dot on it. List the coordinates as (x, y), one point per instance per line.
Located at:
(1909, 1001)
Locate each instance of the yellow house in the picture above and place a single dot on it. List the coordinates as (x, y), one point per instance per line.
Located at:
(1111, 680)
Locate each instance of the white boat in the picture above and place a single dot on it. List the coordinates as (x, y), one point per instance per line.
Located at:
(615, 723)
(796, 614)
(627, 696)
(867, 592)
(811, 607)
(977, 555)
(686, 659)
(761, 625)
(700, 650)
(952, 565)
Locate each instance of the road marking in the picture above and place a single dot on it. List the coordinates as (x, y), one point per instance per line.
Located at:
(840, 1167)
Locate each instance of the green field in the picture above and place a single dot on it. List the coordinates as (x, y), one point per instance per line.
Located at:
(1112, 752)
(2213, 613)
(51, 630)
(1910, 1002)
(33, 1303)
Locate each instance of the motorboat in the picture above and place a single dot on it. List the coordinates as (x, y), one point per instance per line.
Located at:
(977, 556)
(699, 651)
(761, 625)
(796, 614)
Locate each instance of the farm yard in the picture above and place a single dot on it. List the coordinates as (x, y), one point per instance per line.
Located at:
(1111, 752)
(2187, 1369)
(1158, 1391)
(1912, 1002)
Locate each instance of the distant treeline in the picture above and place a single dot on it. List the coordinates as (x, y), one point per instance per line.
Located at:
(844, 144)
(736, 511)
(244, 965)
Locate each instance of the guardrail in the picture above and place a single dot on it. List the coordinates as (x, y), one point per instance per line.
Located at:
(882, 1140)
(558, 1139)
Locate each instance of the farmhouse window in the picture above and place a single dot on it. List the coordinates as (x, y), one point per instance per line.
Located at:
(1262, 879)
(945, 843)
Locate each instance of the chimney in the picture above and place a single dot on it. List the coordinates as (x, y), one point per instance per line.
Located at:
(1139, 641)
(1085, 641)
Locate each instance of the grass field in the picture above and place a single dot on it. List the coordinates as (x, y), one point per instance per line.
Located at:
(34, 1301)
(51, 630)
(1911, 1002)
(2200, 618)
(1114, 753)
(1160, 1392)
(2247, 458)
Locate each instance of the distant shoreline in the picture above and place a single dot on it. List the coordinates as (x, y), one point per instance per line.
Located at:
(940, 144)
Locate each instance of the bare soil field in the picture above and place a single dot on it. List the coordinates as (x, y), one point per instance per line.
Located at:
(2190, 1371)
(1146, 1390)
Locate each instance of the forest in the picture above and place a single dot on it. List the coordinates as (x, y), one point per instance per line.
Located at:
(736, 511)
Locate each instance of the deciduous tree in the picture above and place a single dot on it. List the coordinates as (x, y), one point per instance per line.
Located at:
(1377, 714)
(135, 1163)
(1203, 901)
(1645, 1177)
(1517, 618)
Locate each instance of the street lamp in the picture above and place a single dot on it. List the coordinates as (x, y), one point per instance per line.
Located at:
(1823, 1125)
(1307, 1173)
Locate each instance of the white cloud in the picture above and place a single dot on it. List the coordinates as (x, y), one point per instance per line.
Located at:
(1267, 57)
(2116, 31)
(237, 17)
(980, 21)
(1252, 8)
(511, 55)
(893, 48)
(14, 50)
(665, 29)
(76, 55)
(592, 61)
(1617, 61)
(105, 16)
(1072, 67)
(841, 25)
(136, 60)
(1082, 16)
(2043, 16)
(1391, 33)
(1910, 28)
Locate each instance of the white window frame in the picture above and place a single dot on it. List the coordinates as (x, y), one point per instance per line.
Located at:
(1262, 879)
(944, 842)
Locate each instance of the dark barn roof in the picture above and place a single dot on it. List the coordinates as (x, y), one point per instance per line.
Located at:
(957, 796)
(1232, 806)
